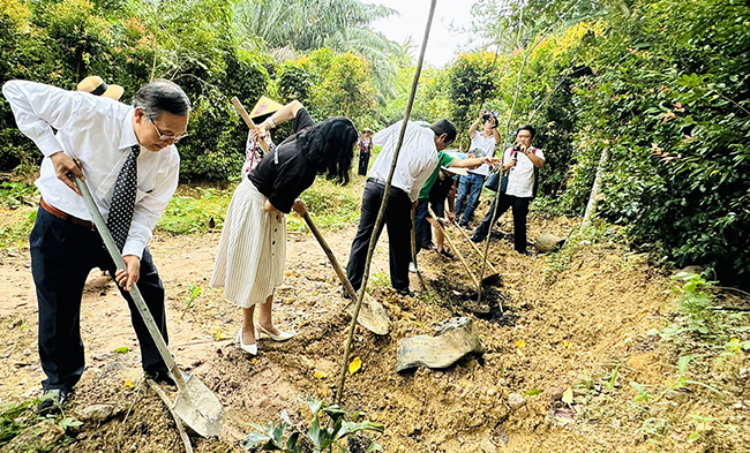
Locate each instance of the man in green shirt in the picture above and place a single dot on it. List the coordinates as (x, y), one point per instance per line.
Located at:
(422, 229)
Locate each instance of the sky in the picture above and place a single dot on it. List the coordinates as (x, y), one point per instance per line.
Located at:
(442, 43)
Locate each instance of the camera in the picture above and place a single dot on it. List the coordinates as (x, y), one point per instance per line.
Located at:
(486, 116)
(517, 148)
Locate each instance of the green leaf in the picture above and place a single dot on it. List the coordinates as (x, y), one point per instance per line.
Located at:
(254, 439)
(532, 392)
(694, 436)
(374, 447)
(122, 350)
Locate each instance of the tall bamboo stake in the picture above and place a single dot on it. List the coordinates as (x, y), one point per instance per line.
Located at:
(381, 214)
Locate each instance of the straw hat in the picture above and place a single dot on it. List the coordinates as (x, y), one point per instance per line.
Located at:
(95, 85)
(263, 108)
(367, 129)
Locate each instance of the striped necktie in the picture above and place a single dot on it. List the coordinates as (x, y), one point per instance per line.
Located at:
(123, 198)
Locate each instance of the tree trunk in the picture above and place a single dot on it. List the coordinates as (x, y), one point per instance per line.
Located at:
(595, 190)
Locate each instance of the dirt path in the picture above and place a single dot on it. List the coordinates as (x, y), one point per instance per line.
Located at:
(559, 329)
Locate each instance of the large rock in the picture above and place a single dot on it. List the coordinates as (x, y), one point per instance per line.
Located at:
(455, 339)
(548, 242)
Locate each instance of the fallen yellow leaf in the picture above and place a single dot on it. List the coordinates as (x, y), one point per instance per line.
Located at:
(520, 344)
(568, 396)
(129, 384)
(566, 344)
(355, 365)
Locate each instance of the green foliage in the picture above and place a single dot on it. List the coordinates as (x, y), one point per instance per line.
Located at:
(696, 308)
(12, 421)
(187, 214)
(330, 205)
(15, 194)
(274, 437)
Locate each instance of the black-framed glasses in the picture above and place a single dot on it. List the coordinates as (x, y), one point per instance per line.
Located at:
(164, 138)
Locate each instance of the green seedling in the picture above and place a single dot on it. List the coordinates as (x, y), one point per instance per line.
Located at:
(193, 292)
(286, 438)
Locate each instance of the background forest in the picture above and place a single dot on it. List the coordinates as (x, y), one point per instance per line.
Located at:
(653, 96)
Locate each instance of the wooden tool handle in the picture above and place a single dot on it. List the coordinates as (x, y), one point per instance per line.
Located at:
(458, 252)
(476, 248)
(243, 113)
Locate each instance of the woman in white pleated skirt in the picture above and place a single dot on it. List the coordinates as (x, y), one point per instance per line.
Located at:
(250, 260)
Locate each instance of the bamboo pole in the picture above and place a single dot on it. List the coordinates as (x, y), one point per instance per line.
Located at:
(381, 214)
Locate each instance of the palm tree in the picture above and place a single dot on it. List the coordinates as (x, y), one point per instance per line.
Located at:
(287, 28)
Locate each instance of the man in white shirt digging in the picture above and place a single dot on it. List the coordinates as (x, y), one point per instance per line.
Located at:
(131, 166)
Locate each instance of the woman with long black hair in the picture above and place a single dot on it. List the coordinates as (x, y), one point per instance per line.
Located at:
(250, 261)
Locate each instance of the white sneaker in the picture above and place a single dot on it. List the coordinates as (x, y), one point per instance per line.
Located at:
(412, 268)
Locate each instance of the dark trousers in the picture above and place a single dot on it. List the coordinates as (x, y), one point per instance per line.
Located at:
(364, 160)
(520, 208)
(422, 228)
(62, 255)
(398, 222)
(467, 199)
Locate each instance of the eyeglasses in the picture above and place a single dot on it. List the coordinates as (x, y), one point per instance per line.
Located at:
(165, 138)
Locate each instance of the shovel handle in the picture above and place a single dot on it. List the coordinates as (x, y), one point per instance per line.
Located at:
(243, 113)
(331, 257)
(458, 252)
(135, 293)
(476, 249)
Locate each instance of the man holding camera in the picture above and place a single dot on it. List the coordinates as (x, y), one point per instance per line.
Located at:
(470, 186)
(520, 162)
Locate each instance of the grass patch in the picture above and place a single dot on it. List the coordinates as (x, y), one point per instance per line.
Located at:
(330, 205)
(186, 214)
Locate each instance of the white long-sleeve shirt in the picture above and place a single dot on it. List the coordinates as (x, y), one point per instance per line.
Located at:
(99, 133)
(416, 162)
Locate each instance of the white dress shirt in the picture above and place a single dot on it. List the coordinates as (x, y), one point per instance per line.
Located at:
(487, 145)
(416, 161)
(521, 177)
(97, 131)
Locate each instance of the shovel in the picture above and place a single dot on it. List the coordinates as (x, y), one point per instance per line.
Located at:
(494, 277)
(195, 404)
(458, 252)
(372, 315)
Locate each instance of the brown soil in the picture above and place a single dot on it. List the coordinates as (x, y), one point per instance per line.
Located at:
(557, 328)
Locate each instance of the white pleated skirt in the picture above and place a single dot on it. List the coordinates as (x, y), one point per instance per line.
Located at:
(252, 249)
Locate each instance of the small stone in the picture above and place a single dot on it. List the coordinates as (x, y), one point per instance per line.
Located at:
(98, 413)
(555, 393)
(516, 401)
(487, 446)
(548, 242)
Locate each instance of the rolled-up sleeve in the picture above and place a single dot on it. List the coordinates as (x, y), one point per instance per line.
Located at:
(39, 108)
(150, 208)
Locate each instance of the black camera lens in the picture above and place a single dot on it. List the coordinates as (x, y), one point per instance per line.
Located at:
(486, 117)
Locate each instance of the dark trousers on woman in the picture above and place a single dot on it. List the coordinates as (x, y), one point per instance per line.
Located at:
(62, 256)
(364, 160)
(520, 208)
(398, 222)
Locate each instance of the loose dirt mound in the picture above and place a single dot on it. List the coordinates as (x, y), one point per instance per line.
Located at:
(561, 326)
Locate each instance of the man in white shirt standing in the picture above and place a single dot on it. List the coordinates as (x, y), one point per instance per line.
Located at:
(470, 187)
(111, 144)
(417, 160)
(521, 162)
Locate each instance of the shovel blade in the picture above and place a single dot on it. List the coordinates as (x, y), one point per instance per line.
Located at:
(372, 316)
(199, 408)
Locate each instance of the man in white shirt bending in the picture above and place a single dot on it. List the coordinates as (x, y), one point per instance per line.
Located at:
(98, 138)
(417, 160)
(470, 187)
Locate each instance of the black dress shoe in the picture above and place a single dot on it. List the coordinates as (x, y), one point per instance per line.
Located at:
(405, 292)
(524, 252)
(159, 376)
(52, 401)
(476, 238)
